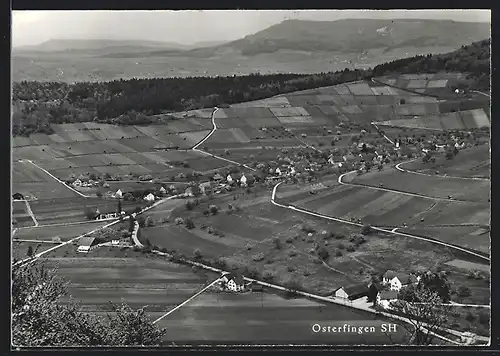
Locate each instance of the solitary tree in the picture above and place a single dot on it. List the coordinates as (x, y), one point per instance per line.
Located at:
(29, 253)
(425, 312)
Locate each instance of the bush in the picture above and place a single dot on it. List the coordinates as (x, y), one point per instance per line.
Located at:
(470, 317)
(213, 209)
(190, 205)
(290, 269)
(258, 257)
(150, 222)
(308, 229)
(277, 243)
(289, 239)
(141, 221)
(210, 230)
(484, 318)
(338, 253)
(292, 253)
(197, 254)
(323, 253)
(179, 221)
(463, 291)
(268, 276)
(351, 248)
(190, 224)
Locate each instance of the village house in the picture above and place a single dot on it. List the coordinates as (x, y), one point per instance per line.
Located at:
(118, 194)
(233, 282)
(352, 292)
(87, 243)
(396, 280)
(189, 192)
(243, 181)
(278, 171)
(229, 179)
(386, 297)
(77, 183)
(217, 178)
(163, 190)
(150, 197)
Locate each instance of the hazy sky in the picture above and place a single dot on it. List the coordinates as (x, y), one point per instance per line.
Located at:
(33, 27)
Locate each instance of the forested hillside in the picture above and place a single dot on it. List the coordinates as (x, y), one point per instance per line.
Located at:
(473, 59)
(38, 104)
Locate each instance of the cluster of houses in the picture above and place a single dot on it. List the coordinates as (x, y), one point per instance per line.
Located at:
(85, 183)
(379, 293)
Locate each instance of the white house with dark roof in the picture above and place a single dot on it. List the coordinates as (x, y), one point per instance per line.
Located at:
(118, 194)
(150, 197)
(87, 243)
(243, 181)
(229, 179)
(386, 297)
(233, 282)
(396, 280)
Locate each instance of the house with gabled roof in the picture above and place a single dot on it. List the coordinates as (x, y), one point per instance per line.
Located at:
(397, 280)
(352, 292)
(118, 194)
(386, 297)
(233, 282)
(87, 243)
(150, 197)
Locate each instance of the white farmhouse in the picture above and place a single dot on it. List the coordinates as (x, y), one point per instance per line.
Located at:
(386, 297)
(243, 181)
(118, 194)
(278, 171)
(396, 281)
(163, 190)
(229, 179)
(149, 197)
(233, 282)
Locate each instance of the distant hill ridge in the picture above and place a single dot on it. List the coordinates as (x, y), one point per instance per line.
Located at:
(346, 36)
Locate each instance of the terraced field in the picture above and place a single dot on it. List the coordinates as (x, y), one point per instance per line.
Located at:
(141, 281)
(473, 162)
(433, 186)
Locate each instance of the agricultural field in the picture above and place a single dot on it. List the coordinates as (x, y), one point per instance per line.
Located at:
(20, 248)
(371, 206)
(264, 318)
(473, 162)
(432, 186)
(140, 280)
(462, 120)
(35, 184)
(57, 233)
(64, 211)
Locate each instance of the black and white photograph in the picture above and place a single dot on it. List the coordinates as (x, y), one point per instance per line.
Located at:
(202, 178)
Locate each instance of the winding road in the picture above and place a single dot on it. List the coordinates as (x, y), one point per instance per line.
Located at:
(195, 147)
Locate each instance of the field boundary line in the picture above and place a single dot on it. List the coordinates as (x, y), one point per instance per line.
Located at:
(62, 224)
(58, 180)
(323, 216)
(30, 212)
(186, 301)
(398, 167)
